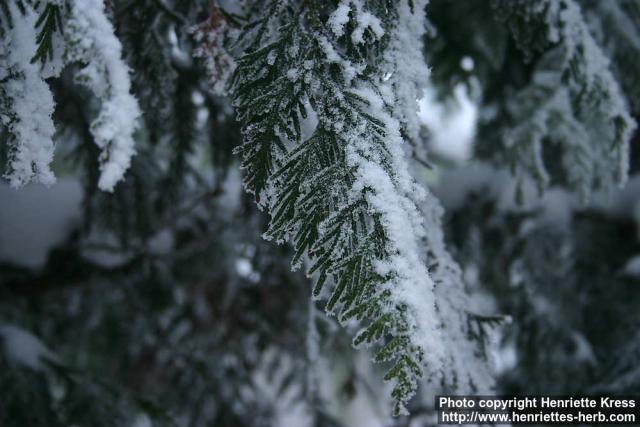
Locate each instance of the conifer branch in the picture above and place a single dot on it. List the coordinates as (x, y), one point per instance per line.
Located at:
(340, 192)
(49, 22)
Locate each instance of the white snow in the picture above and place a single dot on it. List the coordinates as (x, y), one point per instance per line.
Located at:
(29, 119)
(467, 63)
(505, 358)
(104, 249)
(23, 348)
(632, 267)
(93, 42)
(453, 187)
(394, 198)
(35, 219)
(364, 20)
(452, 126)
(339, 18)
(269, 388)
(142, 420)
(407, 72)
(349, 70)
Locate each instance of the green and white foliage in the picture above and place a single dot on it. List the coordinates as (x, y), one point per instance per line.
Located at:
(27, 103)
(573, 100)
(40, 39)
(323, 154)
(91, 42)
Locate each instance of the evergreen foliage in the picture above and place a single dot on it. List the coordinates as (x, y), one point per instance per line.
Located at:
(335, 193)
(48, 23)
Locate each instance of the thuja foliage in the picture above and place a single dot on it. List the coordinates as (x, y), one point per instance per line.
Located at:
(340, 193)
(157, 106)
